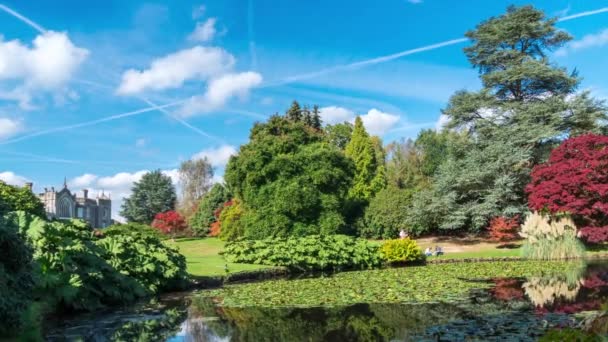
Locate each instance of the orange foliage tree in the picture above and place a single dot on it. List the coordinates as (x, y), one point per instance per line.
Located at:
(504, 229)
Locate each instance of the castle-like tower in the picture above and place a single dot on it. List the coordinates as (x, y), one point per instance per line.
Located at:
(64, 204)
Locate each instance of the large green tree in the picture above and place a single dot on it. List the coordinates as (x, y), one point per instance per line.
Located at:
(387, 214)
(339, 134)
(526, 105)
(153, 194)
(14, 198)
(289, 181)
(367, 155)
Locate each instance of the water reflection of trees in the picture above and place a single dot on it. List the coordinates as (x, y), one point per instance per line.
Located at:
(568, 293)
(544, 292)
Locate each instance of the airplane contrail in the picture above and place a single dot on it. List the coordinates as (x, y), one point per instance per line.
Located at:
(155, 106)
(26, 20)
(181, 121)
(92, 122)
(376, 60)
(583, 14)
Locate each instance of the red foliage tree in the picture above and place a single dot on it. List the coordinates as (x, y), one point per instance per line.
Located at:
(575, 180)
(216, 226)
(504, 229)
(170, 222)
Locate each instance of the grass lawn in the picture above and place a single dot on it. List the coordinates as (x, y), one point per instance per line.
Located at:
(203, 259)
(484, 253)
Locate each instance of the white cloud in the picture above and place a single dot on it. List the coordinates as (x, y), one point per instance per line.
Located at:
(47, 65)
(120, 180)
(9, 127)
(589, 41)
(204, 31)
(332, 115)
(220, 90)
(441, 122)
(13, 179)
(173, 174)
(218, 157)
(85, 180)
(375, 121)
(378, 123)
(171, 71)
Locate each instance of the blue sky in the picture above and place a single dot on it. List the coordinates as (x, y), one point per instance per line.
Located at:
(81, 82)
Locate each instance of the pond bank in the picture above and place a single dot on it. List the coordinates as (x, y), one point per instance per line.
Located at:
(273, 273)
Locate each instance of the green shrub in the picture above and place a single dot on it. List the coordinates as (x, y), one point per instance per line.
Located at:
(230, 221)
(134, 227)
(72, 271)
(387, 214)
(143, 257)
(16, 278)
(310, 253)
(401, 251)
(78, 270)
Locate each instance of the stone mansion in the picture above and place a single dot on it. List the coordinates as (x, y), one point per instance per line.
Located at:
(64, 204)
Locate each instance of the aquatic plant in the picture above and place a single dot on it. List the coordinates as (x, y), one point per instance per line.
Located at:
(423, 284)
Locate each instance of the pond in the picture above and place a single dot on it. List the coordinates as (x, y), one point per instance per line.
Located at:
(521, 301)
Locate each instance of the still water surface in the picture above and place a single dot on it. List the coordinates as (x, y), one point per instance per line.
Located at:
(513, 309)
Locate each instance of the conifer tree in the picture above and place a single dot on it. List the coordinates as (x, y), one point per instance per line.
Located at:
(360, 149)
(307, 116)
(294, 113)
(151, 195)
(316, 117)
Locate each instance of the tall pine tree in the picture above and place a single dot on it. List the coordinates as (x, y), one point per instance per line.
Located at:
(316, 117)
(294, 113)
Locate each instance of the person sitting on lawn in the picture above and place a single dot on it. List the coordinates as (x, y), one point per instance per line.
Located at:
(438, 251)
(428, 252)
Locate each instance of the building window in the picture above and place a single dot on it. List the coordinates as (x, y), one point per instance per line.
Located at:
(65, 208)
(80, 212)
